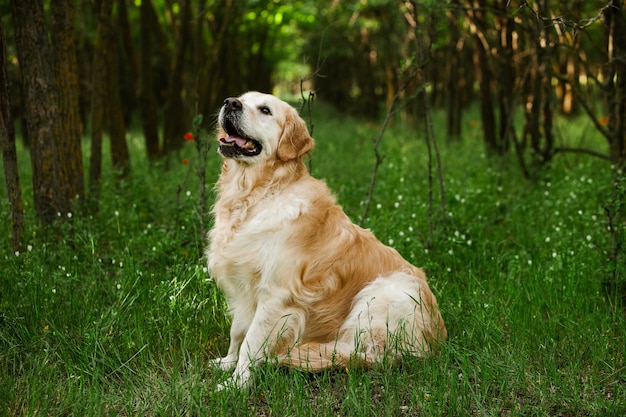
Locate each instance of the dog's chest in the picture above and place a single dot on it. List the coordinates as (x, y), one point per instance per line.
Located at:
(247, 241)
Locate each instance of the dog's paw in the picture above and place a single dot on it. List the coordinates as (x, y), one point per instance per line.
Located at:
(225, 364)
(225, 386)
(235, 382)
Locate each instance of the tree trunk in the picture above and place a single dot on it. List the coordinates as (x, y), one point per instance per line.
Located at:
(9, 153)
(569, 63)
(114, 106)
(484, 74)
(213, 81)
(367, 104)
(70, 129)
(542, 139)
(506, 75)
(547, 111)
(98, 97)
(547, 108)
(532, 107)
(130, 63)
(106, 102)
(42, 113)
(571, 67)
(614, 17)
(174, 123)
(615, 283)
(261, 78)
(159, 35)
(453, 79)
(147, 98)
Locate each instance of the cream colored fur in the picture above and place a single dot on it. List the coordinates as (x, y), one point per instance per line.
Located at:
(304, 284)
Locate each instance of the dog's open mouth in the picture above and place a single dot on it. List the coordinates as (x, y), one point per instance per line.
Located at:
(236, 144)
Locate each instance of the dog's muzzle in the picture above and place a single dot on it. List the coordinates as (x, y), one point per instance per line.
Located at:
(236, 143)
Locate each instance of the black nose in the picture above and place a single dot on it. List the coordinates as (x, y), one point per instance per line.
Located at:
(232, 104)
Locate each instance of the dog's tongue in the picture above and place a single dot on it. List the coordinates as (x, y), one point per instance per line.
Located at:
(230, 139)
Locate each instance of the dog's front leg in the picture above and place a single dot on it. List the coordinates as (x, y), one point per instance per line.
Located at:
(274, 323)
(239, 327)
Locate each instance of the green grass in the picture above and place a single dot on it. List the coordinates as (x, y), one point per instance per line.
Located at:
(114, 314)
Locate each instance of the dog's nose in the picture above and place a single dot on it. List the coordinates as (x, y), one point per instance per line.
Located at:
(232, 104)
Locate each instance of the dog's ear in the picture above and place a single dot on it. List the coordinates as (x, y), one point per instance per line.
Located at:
(295, 140)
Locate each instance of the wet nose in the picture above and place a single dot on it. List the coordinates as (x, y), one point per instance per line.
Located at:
(233, 104)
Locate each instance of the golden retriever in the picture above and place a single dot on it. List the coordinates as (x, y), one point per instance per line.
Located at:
(304, 285)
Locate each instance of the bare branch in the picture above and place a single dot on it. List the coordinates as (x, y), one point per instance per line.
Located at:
(308, 102)
(565, 149)
(380, 158)
(565, 22)
(586, 107)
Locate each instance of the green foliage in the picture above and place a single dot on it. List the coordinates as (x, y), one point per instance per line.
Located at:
(114, 314)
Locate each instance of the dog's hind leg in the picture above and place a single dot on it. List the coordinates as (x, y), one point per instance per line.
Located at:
(314, 356)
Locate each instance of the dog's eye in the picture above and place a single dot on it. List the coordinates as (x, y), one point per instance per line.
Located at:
(265, 110)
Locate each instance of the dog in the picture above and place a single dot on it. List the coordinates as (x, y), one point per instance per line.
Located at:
(305, 286)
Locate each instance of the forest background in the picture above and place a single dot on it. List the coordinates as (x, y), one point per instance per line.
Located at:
(85, 68)
(143, 76)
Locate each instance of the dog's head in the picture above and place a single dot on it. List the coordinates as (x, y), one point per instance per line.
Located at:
(258, 126)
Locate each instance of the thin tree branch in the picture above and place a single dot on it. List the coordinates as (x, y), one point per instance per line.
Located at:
(431, 137)
(586, 107)
(565, 149)
(565, 22)
(308, 102)
(380, 158)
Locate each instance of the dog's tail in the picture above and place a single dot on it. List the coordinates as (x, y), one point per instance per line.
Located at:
(318, 356)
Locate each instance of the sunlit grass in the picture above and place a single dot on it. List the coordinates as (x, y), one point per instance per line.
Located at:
(113, 313)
